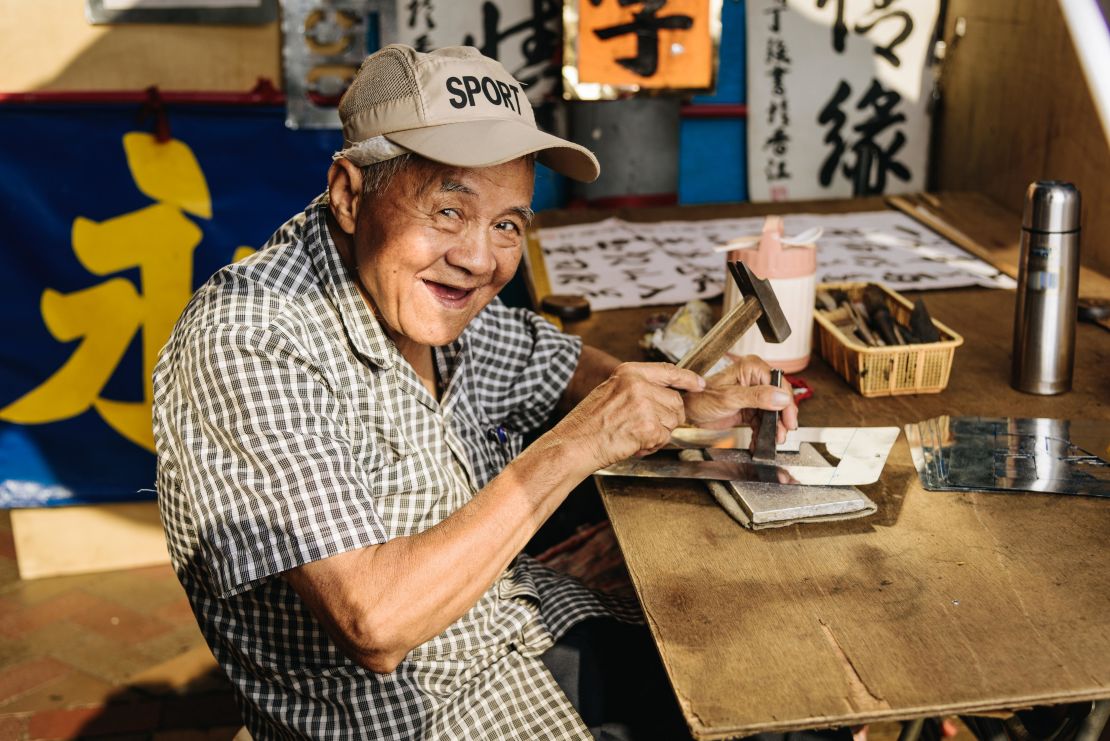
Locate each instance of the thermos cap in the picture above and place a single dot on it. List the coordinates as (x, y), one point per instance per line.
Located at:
(770, 258)
(1051, 206)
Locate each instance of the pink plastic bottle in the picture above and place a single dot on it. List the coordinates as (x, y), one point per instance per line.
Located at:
(792, 271)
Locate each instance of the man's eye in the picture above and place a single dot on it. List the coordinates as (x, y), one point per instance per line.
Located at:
(508, 226)
(451, 212)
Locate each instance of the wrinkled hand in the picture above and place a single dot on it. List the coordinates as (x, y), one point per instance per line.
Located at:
(630, 413)
(734, 397)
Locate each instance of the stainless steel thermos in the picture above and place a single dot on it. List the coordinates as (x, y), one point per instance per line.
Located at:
(1048, 285)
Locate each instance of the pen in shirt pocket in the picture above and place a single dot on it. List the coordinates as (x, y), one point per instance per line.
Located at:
(499, 434)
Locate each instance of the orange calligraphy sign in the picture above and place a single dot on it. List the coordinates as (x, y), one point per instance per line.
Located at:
(665, 44)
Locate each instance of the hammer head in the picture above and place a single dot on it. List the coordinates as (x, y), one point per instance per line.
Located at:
(772, 322)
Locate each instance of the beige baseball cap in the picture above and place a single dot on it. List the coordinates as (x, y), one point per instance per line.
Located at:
(454, 106)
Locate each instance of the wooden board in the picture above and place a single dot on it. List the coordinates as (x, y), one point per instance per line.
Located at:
(1015, 108)
(940, 603)
(49, 45)
(950, 214)
(85, 539)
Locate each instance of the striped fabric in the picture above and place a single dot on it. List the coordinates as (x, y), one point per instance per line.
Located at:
(290, 429)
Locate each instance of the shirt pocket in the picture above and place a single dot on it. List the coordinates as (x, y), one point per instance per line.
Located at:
(490, 444)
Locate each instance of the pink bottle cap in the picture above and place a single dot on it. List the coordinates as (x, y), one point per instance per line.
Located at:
(771, 259)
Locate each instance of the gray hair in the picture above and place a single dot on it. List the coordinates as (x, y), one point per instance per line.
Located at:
(378, 174)
(379, 159)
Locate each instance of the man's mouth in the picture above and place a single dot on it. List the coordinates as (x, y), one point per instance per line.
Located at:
(448, 294)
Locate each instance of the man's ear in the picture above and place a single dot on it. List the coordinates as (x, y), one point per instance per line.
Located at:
(345, 193)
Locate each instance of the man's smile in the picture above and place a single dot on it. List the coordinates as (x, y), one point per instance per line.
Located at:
(449, 295)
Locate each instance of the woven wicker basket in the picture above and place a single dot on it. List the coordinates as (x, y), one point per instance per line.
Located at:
(885, 371)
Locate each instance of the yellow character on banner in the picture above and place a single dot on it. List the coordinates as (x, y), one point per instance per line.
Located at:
(159, 240)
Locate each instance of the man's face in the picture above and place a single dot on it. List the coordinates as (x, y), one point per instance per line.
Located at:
(438, 244)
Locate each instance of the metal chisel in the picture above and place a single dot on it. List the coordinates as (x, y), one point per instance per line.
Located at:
(764, 449)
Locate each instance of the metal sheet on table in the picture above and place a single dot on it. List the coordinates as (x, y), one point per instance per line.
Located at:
(1012, 454)
(860, 452)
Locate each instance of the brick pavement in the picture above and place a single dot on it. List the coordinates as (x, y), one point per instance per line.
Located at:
(115, 655)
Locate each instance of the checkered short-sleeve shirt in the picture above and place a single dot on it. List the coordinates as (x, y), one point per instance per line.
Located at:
(290, 429)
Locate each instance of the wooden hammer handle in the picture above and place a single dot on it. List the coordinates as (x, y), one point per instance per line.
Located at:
(724, 334)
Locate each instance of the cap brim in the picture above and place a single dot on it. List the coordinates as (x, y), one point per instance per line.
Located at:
(491, 142)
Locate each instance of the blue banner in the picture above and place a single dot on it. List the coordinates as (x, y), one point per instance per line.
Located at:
(107, 232)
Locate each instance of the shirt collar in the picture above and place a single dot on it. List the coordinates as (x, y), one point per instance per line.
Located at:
(361, 326)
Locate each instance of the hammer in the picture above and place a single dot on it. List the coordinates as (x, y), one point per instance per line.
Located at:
(760, 306)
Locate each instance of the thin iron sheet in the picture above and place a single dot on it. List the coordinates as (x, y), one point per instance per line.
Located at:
(1031, 454)
(861, 453)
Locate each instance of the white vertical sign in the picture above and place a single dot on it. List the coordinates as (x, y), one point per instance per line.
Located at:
(524, 35)
(837, 97)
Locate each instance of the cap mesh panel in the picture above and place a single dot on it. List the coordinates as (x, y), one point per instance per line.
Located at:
(383, 77)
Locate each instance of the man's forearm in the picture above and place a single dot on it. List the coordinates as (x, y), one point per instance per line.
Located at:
(380, 602)
(594, 366)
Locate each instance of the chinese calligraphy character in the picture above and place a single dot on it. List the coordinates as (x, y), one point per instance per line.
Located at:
(840, 27)
(415, 7)
(779, 108)
(569, 278)
(868, 171)
(647, 292)
(574, 263)
(777, 142)
(705, 279)
(776, 51)
(887, 51)
(159, 240)
(629, 258)
(776, 16)
(539, 44)
(646, 26)
(776, 170)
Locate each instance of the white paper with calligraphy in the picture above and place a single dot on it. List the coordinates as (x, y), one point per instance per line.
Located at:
(618, 264)
(837, 97)
(524, 35)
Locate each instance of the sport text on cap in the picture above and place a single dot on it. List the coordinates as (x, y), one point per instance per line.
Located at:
(454, 106)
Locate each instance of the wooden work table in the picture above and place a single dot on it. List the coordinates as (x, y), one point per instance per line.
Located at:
(940, 603)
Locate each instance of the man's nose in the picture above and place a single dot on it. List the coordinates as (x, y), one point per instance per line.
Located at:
(473, 253)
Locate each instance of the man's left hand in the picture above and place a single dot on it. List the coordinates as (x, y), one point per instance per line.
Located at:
(734, 397)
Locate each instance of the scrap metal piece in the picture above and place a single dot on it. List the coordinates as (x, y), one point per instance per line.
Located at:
(861, 453)
(1012, 454)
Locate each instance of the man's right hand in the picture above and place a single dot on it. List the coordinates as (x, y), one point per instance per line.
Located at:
(631, 413)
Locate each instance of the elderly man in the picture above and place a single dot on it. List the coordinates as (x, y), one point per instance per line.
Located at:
(340, 420)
